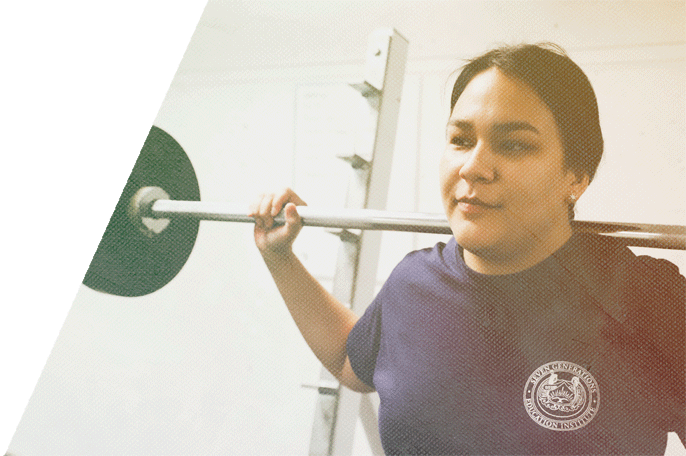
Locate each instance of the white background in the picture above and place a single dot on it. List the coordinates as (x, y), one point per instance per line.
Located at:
(80, 84)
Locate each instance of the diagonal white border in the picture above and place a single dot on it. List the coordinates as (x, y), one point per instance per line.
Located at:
(80, 90)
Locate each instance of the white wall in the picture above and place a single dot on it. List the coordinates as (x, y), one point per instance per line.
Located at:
(212, 363)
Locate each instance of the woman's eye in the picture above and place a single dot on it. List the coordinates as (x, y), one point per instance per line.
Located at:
(516, 147)
(460, 142)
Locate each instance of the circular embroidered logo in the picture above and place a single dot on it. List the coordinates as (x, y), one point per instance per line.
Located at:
(561, 396)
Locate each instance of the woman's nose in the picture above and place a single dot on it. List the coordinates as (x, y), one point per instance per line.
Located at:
(479, 165)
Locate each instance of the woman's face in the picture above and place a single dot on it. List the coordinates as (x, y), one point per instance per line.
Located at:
(504, 184)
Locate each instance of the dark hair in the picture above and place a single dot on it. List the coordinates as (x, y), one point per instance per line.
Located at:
(562, 86)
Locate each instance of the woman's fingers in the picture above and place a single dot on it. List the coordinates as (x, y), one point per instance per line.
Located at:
(265, 208)
(282, 198)
(279, 201)
(265, 211)
(291, 215)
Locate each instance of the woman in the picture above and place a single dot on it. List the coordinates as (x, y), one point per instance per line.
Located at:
(517, 336)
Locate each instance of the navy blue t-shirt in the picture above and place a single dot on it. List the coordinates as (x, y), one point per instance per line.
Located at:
(580, 354)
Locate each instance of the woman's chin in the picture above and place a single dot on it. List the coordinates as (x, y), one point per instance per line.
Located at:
(475, 239)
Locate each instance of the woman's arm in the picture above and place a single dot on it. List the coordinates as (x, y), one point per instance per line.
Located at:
(323, 321)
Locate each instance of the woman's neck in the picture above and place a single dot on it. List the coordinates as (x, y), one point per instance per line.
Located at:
(497, 262)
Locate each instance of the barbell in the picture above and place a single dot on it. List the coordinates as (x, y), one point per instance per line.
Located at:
(155, 223)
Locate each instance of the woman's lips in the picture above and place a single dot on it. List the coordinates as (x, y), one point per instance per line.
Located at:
(474, 206)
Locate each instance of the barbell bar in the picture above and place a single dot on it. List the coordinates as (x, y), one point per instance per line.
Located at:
(154, 226)
(153, 204)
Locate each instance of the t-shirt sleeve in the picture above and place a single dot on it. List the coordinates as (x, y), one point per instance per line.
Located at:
(364, 341)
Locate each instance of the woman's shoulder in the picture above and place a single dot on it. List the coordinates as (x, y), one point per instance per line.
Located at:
(439, 259)
(661, 273)
(612, 257)
(613, 254)
(657, 292)
(623, 282)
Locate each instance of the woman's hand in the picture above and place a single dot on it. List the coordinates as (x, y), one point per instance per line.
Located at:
(278, 240)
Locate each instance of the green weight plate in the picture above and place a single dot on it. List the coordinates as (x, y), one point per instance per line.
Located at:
(128, 263)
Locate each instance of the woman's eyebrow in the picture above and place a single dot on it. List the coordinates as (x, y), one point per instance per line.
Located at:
(499, 128)
(462, 124)
(508, 127)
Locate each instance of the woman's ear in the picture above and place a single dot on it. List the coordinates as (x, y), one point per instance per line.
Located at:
(579, 185)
